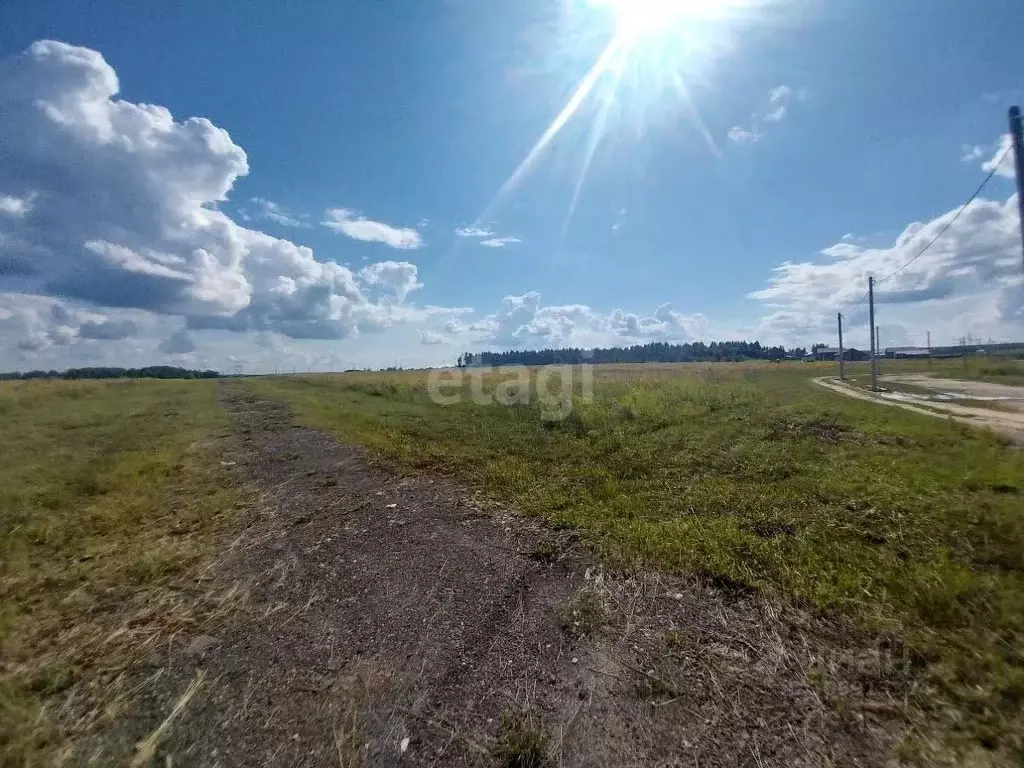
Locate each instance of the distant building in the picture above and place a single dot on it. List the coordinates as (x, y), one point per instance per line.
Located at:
(904, 352)
(1009, 349)
(832, 353)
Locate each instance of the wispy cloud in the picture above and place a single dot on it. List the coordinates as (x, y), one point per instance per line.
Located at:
(487, 237)
(268, 209)
(971, 152)
(499, 242)
(474, 232)
(779, 94)
(741, 135)
(352, 224)
(780, 98)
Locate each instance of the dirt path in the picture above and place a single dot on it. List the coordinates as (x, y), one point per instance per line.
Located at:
(389, 622)
(1010, 425)
(1010, 396)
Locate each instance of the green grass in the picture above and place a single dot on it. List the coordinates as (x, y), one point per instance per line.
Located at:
(1000, 372)
(751, 475)
(109, 493)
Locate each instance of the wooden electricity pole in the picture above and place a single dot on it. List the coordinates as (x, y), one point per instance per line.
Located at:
(842, 375)
(871, 332)
(929, 350)
(1017, 137)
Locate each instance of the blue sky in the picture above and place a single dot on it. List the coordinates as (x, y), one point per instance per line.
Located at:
(376, 136)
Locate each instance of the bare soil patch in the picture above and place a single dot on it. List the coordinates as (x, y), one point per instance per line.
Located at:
(1006, 423)
(391, 622)
(1007, 394)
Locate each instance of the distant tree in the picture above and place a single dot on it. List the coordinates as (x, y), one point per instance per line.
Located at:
(150, 372)
(653, 352)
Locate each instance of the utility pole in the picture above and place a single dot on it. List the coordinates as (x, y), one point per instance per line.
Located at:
(842, 374)
(929, 350)
(871, 331)
(878, 347)
(1017, 137)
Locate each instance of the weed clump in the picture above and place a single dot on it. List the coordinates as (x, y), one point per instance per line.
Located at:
(585, 614)
(522, 741)
(545, 552)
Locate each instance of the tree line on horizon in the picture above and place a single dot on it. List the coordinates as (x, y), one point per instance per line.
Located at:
(149, 372)
(654, 352)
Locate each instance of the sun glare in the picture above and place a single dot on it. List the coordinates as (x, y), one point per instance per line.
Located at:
(646, 16)
(644, 69)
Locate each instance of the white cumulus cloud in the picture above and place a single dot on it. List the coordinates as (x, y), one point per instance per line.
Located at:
(400, 278)
(968, 278)
(115, 204)
(524, 321)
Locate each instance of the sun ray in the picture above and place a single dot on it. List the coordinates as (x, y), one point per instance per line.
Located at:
(571, 107)
(694, 114)
(594, 139)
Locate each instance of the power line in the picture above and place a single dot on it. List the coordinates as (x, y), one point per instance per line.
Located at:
(862, 300)
(952, 221)
(923, 251)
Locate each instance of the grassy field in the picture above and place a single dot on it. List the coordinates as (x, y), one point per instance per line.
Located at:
(110, 494)
(751, 476)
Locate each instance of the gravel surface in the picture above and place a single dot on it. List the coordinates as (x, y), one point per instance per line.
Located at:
(390, 622)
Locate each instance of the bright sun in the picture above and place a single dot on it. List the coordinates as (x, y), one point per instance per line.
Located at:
(643, 16)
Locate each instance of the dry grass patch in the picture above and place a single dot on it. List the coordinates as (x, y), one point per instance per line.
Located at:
(111, 495)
